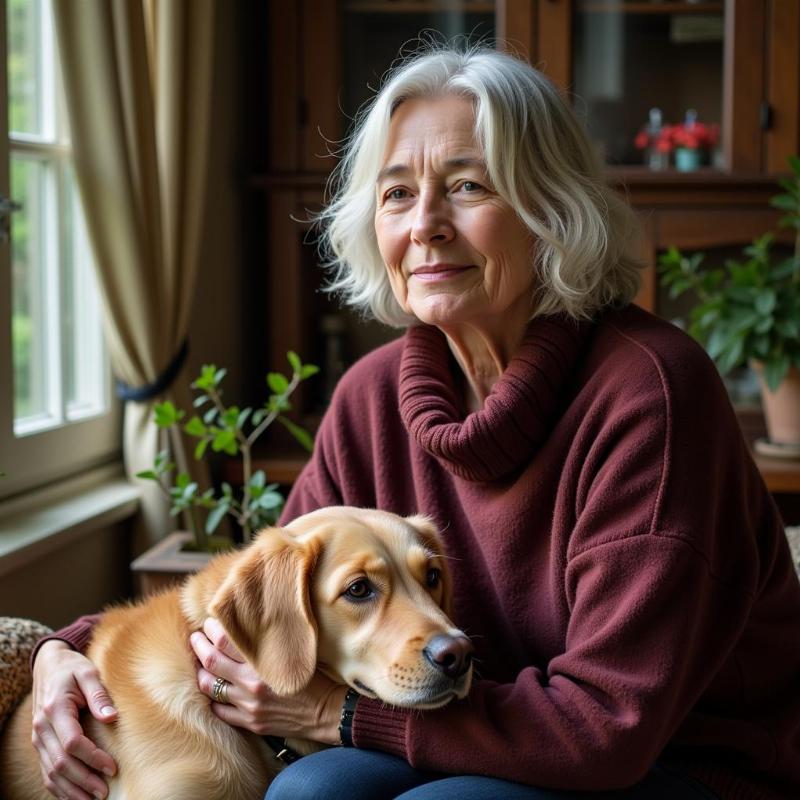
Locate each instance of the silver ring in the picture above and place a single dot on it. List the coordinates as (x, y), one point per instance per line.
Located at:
(219, 692)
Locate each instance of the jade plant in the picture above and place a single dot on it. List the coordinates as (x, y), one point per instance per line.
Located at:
(748, 310)
(221, 428)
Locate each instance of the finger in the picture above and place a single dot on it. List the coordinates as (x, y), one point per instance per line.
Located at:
(66, 776)
(213, 659)
(64, 789)
(206, 681)
(216, 633)
(232, 715)
(59, 787)
(97, 697)
(69, 735)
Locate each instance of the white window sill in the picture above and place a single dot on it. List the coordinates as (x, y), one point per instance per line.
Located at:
(39, 522)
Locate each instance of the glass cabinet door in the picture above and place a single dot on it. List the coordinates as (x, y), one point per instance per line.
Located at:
(374, 32)
(647, 77)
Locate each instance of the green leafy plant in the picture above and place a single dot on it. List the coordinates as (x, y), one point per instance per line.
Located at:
(234, 431)
(750, 308)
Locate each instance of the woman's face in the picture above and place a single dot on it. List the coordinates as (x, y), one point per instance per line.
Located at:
(455, 251)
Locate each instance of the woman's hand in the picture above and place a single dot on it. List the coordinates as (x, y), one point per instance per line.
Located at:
(64, 682)
(312, 713)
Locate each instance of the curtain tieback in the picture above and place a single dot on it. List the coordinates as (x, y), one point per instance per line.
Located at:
(141, 394)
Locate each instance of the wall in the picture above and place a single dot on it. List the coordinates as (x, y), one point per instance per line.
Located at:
(79, 578)
(216, 324)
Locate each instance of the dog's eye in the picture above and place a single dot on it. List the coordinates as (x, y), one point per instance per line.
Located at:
(432, 577)
(359, 590)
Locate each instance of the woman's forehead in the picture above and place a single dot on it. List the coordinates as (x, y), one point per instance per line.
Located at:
(442, 127)
(437, 115)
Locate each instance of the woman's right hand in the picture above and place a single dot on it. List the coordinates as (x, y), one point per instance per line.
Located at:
(64, 682)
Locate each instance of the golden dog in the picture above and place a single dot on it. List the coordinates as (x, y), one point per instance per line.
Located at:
(361, 595)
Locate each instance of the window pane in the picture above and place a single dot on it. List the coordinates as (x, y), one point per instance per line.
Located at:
(25, 67)
(33, 314)
(58, 378)
(85, 374)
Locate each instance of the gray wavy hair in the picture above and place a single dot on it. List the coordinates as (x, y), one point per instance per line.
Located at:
(540, 160)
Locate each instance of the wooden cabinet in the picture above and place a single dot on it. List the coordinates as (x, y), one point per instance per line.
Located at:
(319, 59)
(759, 70)
(737, 59)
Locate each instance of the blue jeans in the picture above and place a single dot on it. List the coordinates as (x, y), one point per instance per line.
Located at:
(353, 774)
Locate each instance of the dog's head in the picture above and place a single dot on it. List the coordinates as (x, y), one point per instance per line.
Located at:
(362, 595)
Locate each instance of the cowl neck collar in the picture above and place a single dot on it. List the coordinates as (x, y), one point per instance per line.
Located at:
(491, 443)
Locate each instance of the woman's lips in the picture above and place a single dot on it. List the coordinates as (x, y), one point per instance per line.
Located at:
(439, 272)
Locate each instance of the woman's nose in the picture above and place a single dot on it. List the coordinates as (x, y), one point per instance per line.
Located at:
(432, 222)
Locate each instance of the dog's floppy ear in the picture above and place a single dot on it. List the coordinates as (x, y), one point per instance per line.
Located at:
(431, 538)
(264, 606)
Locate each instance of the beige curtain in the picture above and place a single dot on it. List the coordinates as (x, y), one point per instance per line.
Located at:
(137, 77)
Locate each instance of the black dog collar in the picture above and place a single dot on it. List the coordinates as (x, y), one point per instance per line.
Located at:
(346, 719)
(281, 750)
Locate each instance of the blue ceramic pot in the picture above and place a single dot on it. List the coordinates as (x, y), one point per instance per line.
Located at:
(687, 160)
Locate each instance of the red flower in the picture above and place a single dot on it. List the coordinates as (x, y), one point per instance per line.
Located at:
(642, 139)
(691, 135)
(663, 146)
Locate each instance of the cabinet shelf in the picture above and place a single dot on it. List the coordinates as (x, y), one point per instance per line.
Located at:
(644, 7)
(629, 173)
(728, 188)
(780, 476)
(417, 7)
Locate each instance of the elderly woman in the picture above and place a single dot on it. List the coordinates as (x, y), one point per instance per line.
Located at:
(616, 557)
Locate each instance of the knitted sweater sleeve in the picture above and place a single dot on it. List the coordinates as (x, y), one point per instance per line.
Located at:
(77, 635)
(659, 582)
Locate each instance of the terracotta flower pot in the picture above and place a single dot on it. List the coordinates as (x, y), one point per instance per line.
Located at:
(166, 564)
(782, 409)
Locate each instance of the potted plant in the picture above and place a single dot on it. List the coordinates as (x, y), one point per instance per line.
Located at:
(218, 428)
(692, 141)
(749, 313)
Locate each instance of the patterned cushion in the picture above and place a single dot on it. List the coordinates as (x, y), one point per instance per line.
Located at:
(17, 639)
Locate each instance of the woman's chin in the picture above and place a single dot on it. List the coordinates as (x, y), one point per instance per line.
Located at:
(442, 314)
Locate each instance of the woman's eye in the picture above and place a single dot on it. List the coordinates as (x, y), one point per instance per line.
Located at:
(396, 194)
(359, 590)
(433, 577)
(470, 187)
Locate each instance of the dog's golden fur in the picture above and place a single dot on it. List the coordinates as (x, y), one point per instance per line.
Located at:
(284, 603)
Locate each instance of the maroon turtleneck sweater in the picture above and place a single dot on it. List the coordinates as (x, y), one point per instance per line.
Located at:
(616, 558)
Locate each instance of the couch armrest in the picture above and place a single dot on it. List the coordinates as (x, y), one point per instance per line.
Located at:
(17, 639)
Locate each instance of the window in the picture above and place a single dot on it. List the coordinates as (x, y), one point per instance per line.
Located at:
(56, 410)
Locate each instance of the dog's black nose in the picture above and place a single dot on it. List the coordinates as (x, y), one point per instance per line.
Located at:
(450, 654)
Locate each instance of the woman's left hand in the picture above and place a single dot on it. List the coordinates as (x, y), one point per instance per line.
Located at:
(313, 713)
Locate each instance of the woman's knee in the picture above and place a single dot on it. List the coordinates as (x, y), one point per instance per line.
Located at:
(284, 786)
(306, 779)
(344, 774)
(478, 787)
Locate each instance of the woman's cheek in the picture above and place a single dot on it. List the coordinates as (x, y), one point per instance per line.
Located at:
(391, 251)
(398, 283)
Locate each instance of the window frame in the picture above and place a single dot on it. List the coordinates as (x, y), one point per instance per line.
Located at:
(42, 455)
